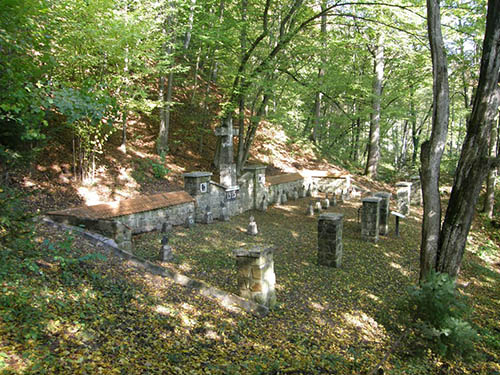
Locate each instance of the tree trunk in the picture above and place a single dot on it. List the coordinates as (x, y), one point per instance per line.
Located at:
(432, 150)
(374, 138)
(489, 200)
(473, 166)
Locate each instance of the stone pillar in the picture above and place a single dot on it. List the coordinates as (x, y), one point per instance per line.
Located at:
(197, 183)
(330, 239)
(403, 197)
(416, 191)
(259, 176)
(370, 218)
(227, 168)
(384, 211)
(256, 278)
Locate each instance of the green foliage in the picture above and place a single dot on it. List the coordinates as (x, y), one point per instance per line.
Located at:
(440, 313)
(14, 219)
(159, 169)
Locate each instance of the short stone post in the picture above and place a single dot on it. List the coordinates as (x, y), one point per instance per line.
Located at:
(189, 221)
(208, 218)
(384, 211)
(326, 202)
(252, 227)
(317, 206)
(309, 191)
(123, 236)
(295, 194)
(166, 254)
(278, 198)
(416, 191)
(334, 199)
(310, 209)
(330, 239)
(224, 214)
(256, 278)
(370, 218)
(404, 197)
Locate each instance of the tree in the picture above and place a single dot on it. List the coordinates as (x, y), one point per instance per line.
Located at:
(443, 246)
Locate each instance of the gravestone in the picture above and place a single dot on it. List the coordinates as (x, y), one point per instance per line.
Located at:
(278, 199)
(310, 209)
(370, 218)
(334, 199)
(403, 197)
(256, 278)
(416, 191)
(224, 214)
(295, 194)
(189, 221)
(208, 217)
(330, 239)
(252, 227)
(326, 202)
(317, 206)
(384, 211)
(166, 254)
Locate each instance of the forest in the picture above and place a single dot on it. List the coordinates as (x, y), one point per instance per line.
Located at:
(110, 99)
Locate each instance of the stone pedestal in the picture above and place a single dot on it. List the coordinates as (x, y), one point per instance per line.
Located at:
(370, 219)
(384, 211)
(416, 191)
(310, 209)
(404, 197)
(259, 176)
(197, 183)
(330, 239)
(189, 221)
(256, 278)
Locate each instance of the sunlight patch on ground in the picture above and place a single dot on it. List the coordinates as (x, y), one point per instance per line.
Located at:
(366, 324)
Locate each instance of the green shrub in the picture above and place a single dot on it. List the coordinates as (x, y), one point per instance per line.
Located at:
(159, 169)
(440, 315)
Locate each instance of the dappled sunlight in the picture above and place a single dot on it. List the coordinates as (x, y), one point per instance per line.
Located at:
(316, 306)
(368, 327)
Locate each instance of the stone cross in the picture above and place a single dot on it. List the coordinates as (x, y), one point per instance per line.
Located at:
(227, 168)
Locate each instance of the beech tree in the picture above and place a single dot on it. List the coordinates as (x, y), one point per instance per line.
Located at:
(443, 245)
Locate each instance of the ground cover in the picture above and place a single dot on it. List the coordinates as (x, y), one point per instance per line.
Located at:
(77, 312)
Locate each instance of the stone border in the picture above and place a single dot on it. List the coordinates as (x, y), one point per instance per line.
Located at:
(226, 299)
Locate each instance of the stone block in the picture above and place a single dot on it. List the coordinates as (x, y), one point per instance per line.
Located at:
(330, 246)
(370, 218)
(384, 212)
(256, 278)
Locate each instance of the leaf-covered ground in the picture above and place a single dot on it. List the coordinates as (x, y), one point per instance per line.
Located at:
(79, 313)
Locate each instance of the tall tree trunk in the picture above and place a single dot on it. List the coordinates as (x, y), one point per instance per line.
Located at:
(432, 150)
(489, 200)
(321, 73)
(374, 138)
(473, 166)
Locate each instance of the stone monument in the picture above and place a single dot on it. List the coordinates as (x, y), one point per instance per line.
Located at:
(370, 219)
(256, 278)
(330, 239)
(252, 227)
(384, 211)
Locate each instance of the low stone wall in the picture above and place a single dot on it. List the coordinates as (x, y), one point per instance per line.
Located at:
(284, 184)
(143, 214)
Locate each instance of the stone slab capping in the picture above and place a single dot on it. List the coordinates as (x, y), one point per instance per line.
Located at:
(256, 278)
(370, 218)
(403, 191)
(330, 239)
(384, 211)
